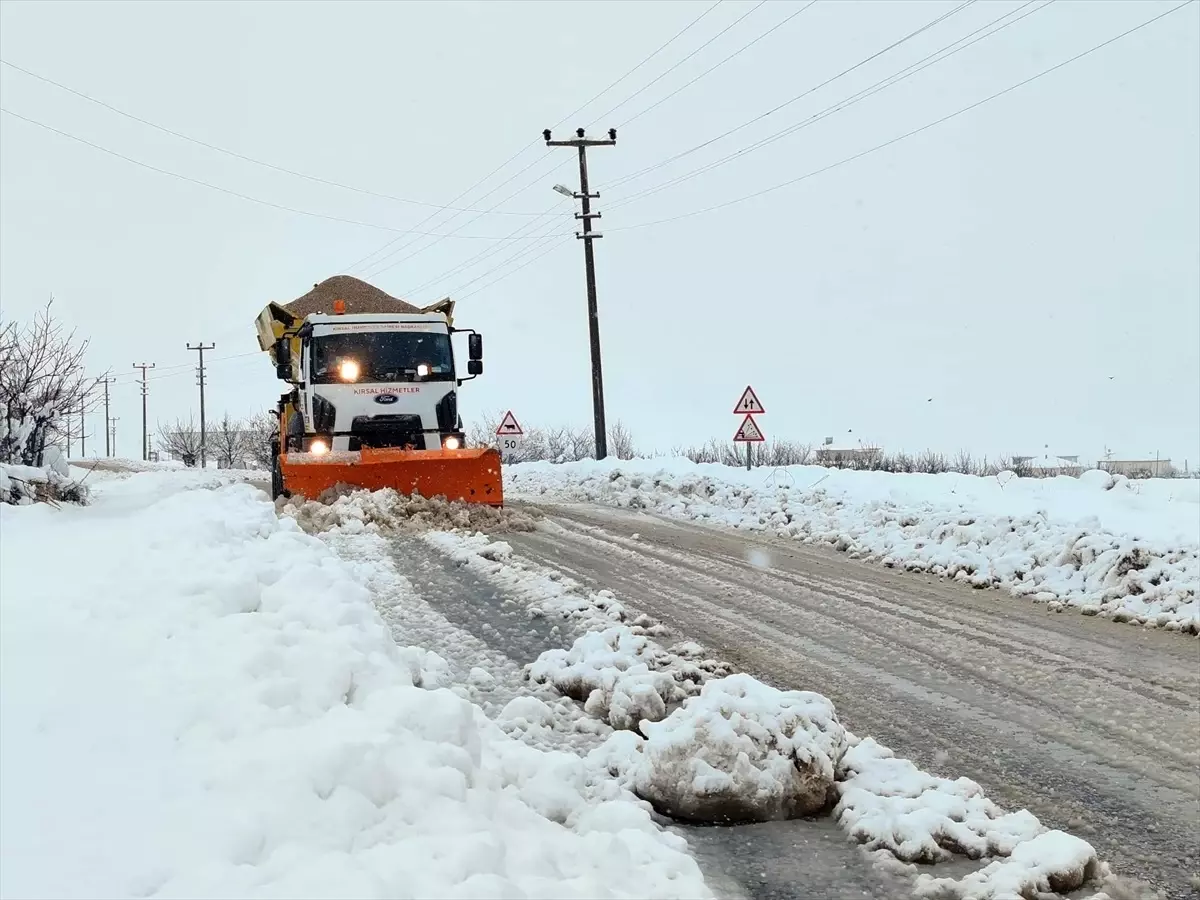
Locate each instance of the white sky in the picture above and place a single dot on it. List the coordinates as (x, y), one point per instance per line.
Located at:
(1026, 274)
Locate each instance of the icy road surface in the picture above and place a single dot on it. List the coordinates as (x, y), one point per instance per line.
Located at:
(1094, 727)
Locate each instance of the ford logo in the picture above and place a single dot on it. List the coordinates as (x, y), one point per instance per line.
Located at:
(386, 398)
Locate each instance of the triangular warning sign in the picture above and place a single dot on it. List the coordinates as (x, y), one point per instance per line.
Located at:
(749, 433)
(509, 425)
(749, 403)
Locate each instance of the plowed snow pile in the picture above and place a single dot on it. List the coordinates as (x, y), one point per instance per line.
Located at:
(200, 699)
(1129, 550)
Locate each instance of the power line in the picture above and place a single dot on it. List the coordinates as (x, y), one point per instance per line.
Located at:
(770, 112)
(505, 164)
(558, 243)
(942, 54)
(740, 49)
(420, 250)
(909, 134)
(233, 153)
(214, 187)
(679, 63)
(480, 256)
(525, 251)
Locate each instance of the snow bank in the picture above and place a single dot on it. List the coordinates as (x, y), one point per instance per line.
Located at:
(621, 676)
(1053, 861)
(888, 803)
(22, 485)
(1129, 550)
(741, 751)
(205, 702)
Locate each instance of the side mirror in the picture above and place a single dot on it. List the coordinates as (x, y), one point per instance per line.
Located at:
(474, 348)
(474, 366)
(283, 359)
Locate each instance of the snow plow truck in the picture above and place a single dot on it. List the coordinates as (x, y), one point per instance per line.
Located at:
(374, 396)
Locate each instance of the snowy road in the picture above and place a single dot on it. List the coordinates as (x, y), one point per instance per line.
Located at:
(1092, 726)
(776, 861)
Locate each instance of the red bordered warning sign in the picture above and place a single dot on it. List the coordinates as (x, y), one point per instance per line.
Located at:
(749, 432)
(509, 425)
(749, 404)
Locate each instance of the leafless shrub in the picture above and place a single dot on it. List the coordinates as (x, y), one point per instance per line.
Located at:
(1021, 467)
(620, 441)
(181, 440)
(931, 462)
(42, 382)
(261, 429)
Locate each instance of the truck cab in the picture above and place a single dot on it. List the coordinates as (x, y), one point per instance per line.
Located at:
(370, 380)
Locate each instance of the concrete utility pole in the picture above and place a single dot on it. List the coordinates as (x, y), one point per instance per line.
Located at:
(83, 430)
(112, 433)
(587, 236)
(200, 348)
(145, 390)
(106, 381)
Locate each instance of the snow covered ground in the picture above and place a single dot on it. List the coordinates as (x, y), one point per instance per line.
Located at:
(199, 699)
(1128, 550)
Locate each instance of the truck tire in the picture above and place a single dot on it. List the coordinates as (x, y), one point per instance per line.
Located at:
(277, 489)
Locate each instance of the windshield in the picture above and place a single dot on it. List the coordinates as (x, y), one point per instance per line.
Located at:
(383, 356)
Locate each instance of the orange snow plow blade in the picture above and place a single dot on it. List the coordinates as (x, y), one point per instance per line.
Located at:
(471, 475)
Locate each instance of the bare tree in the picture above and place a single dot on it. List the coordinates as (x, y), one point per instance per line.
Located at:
(42, 382)
(260, 431)
(228, 443)
(181, 440)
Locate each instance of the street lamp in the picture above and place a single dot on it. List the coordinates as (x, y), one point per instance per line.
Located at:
(565, 191)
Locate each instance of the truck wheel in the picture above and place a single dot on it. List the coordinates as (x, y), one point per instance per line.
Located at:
(277, 489)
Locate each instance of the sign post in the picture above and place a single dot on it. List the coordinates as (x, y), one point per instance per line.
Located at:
(749, 432)
(509, 434)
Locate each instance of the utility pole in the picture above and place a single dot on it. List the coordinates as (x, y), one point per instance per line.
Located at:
(106, 381)
(587, 236)
(83, 430)
(200, 348)
(112, 433)
(145, 390)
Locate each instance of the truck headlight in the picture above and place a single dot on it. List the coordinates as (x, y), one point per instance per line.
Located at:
(348, 370)
(318, 447)
(451, 443)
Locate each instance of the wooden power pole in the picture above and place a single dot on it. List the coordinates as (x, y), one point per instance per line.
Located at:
(582, 142)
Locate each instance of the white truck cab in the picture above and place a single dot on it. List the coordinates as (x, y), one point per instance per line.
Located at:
(373, 380)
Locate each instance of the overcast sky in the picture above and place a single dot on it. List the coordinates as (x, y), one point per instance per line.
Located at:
(1022, 276)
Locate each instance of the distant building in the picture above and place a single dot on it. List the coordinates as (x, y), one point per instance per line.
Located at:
(1138, 468)
(1048, 466)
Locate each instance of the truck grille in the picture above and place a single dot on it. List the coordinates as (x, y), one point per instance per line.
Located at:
(386, 431)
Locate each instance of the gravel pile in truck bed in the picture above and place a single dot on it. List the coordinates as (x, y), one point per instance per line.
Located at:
(360, 297)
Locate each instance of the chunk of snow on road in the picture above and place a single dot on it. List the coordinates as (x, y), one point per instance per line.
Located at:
(258, 731)
(1053, 861)
(619, 676)
(1107, 545)
(888, 803)
(741, 751)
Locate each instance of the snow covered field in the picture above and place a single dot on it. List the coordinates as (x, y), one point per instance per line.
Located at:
(1129, 550)
(201, 700)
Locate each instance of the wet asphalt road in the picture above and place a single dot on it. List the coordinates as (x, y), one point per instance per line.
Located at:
(1091, 725)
